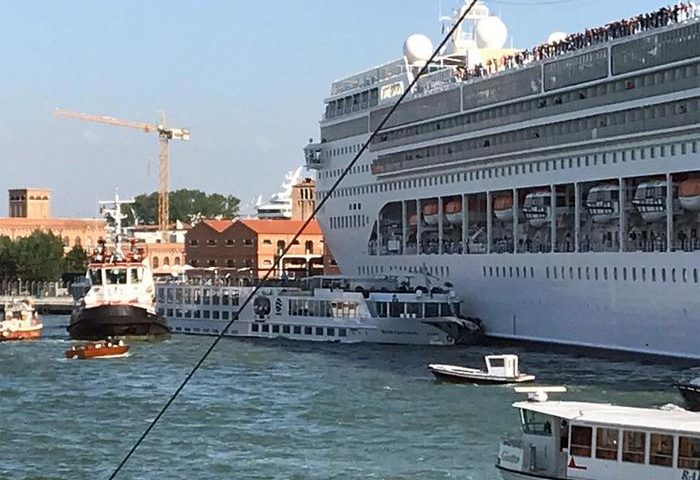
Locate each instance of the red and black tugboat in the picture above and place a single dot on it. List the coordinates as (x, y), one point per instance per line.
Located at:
(120, 297)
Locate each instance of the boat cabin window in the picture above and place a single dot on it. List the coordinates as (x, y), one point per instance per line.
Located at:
(96, 276)
(414, 309)
(606, 443)
(581, 441)
(661, 450)
(135, 275)
(445, 310)
(689, 453)
(432, 310)
(116, 276)
(634, 446)
(535, 423)
(395, 309)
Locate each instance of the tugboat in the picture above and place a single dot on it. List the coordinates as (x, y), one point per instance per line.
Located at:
(120, 298)
(20, 321)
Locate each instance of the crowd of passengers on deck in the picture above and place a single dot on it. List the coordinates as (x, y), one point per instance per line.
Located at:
(575, 41)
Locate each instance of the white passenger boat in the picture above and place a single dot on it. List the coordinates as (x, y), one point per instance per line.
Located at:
(327, 309)
(500, 369)
(597, 441)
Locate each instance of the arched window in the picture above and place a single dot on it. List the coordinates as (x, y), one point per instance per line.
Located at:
(280, 245)
(156, 262)
(166, 261)
(78, 242)
(176, 261)
(309, 246)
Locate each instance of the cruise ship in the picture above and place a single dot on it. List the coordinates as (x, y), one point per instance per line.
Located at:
(558, 188)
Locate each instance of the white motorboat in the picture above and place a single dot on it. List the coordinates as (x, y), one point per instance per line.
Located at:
(598, 441)
(500, 369)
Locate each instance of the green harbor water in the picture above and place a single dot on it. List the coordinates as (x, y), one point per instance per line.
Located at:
(280, 410)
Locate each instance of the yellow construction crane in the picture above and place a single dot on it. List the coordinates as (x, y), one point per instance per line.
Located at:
(165, 134)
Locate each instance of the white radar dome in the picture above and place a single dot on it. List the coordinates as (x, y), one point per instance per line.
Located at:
(556, 37)
(417, 48)
(491, 32)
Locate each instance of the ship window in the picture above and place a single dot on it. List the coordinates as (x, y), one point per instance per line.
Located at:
(532, 272)
(319, 330)
(661, 450)
(116, 276)
(606, 443)
(297, 329)
(134, 275)
(673, 275)
(689, 453)
(255, 327)
(197, 314)
(308, 331)
(275, 329)
(215, 314)
(188, 313)
(207, 314)
(96, 277)
(170, 312)
(342, 332)
(581, 439)
(161, 311)
(224, 315)
(286, 329)
(266, 328)
(663, 274)
(536, 423)
(624, 274)
(695, 275)
(633, 446)
(330, 331)
(653, 274)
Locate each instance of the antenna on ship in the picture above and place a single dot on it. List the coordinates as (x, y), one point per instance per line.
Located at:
(111, 210)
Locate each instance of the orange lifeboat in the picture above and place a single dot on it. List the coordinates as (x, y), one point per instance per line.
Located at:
(430, 213)
(453, 211)
(689, 194)
(102, 349)
(503, 207)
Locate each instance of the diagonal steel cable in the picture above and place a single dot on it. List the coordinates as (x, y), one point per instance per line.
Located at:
(274, 267)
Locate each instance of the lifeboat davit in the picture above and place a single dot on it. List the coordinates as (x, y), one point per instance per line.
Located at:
(689, 194)
(536, 208)
(430, 213)
(453, 212)
(503, 207)
(603, 202)
(650, 200)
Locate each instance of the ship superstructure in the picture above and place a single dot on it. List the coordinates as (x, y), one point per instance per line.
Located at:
(558, 187)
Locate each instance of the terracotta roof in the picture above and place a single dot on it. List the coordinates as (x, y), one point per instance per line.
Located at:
(281, 226)
(49, 223)
(218, 225)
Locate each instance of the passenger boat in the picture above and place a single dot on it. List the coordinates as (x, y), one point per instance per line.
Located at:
(101, 349)
(20, 321)
(691, 393)
(120, 300)
(323, 309)
(500, 369)
(597, 441)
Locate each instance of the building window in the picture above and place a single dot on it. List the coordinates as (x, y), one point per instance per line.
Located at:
(194, 242)
(230, 242)
(177, 261)
(248, 242)
(156, 262)
(211, 242)
(212, 263)
(309, 247)
(166, 261)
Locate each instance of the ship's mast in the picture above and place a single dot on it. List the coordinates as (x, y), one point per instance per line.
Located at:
(114, 232)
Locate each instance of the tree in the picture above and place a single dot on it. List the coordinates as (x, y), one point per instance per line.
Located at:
(76, 260)
(39, 257)
(8, 262)
(184, 204)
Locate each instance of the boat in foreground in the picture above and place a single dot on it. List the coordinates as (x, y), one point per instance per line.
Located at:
(500, 369)
(691, 393)
(598, 441)
(102, 349)
(20, 321)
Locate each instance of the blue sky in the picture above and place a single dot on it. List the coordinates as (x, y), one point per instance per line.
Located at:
(248, 78)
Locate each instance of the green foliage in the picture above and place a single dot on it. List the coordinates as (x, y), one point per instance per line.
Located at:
(8, 263)
(76, 260)
(185, 204)
(38, 257)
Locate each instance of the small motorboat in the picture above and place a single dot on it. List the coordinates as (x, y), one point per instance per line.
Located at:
(691, 393)
(500, 369)
(19, 321)
(101, 349)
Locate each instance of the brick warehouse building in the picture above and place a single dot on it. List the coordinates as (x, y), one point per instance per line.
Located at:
(249, 247)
